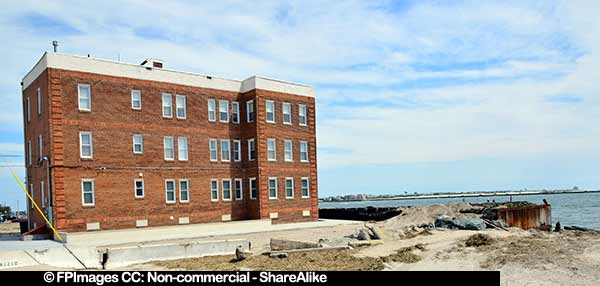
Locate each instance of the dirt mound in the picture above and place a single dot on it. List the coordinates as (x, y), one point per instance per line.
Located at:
(424, 215)
(478, 240)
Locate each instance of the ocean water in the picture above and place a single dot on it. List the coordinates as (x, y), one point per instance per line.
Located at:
(581, 209)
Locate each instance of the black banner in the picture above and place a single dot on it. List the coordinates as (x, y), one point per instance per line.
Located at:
(100, 278)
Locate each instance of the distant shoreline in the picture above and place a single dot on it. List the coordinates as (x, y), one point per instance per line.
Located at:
(464, 195)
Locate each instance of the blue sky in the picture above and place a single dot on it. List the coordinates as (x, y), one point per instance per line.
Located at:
(416, 96)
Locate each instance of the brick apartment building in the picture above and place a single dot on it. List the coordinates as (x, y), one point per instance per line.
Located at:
(111, 145)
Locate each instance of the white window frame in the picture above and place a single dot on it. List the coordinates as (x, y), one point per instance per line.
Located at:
(32, 193)
(250, 110)
(269, 188)
(89, 99)
(182, 141)
(29, 152)
(93, 203)
(39, 101)
(172, 147)
(212, 109)
(187, 182)
(223, 150)
(235, 112)
(177, 107)
(135, 193)
(241, 190)
(167, 103)
(81, 134)
(304, 143)
(167, 191)
(28, 110)
(284, 113)
(210, 150)
(141, 143)
(237, 154)
(307, 179)
(134, 93)
(267, 104)
(255, 193)
(287, 152)
(223, 190)
(302, 108)
(226, 103)
(40, 147)
(215, 190)
(269, 140)
(251, 143)
(286, 187)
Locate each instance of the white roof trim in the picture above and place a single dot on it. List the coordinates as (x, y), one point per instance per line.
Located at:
(119, 69)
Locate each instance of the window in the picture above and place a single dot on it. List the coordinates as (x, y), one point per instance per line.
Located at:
(237, 150)
(138, 186)
(287, 112)
(289, 188)
(39, 101)
(223, 110)
(212, 147)
(235, 112)
(303, 151)
(31, 192)
(180, 106)
(226, 189)
(302, 114)
(214, 190)
(184, 190)
(138, 144)
(29, 152)
(252, 183)
(86, 149)
(41, 148)
(170, 191)
(136, 99)
(28, 110)
(250, 111)
(182, 146)
(270, 108)
(237, 184)
(212, 116)
(271, 149)
(87, 192)
(251, 150)
(272, 188)
(305, 188)
(225, 150)
(42, 193)
(167, 105)
(169, 148)
(288, 151)
(84, 96)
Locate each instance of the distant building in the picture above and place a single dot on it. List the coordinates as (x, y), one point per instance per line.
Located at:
(111, 145)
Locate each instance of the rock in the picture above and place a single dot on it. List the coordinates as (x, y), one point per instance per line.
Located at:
(472, 224)
(445, 221)
(278, 255)
(363, 235)
(375, 231)
(285, 244)
(557, 227)
(239, 253)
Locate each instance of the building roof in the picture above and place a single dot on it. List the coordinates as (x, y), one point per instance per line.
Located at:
(120, 69)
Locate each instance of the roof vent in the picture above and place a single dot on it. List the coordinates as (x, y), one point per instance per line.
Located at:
(153, 63)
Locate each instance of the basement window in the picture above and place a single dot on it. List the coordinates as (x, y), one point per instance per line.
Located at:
(136, 99)
(138, 185)
(170, 191)
(84, 96)
(226, 189)
(87, 191)
(214, 190)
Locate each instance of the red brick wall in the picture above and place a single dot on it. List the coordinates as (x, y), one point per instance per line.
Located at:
(114, 165)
